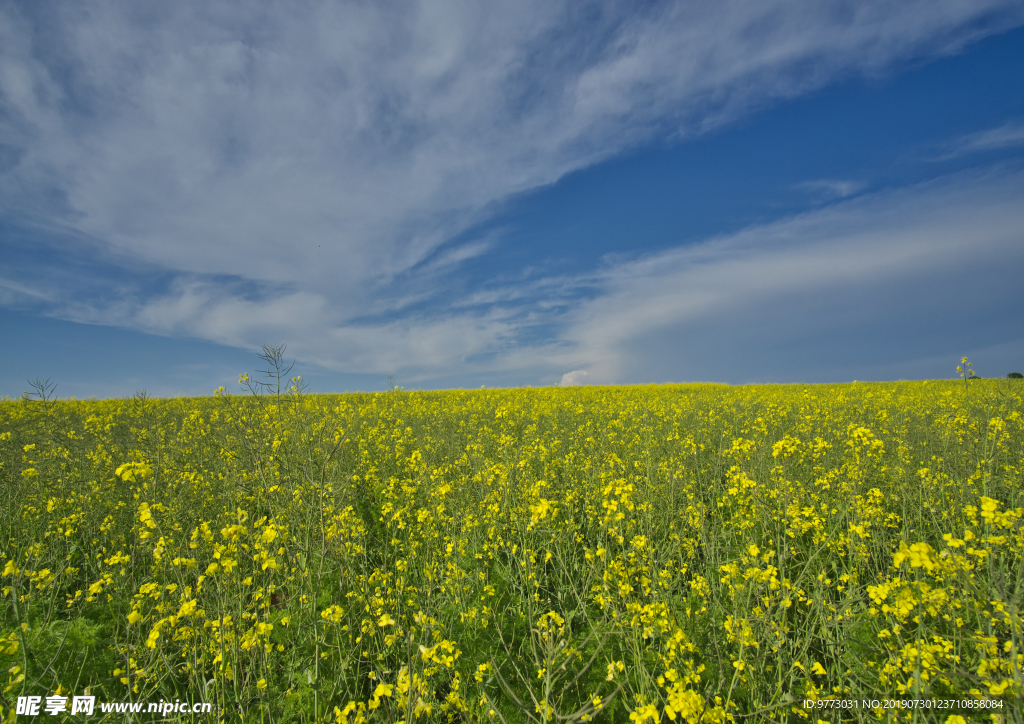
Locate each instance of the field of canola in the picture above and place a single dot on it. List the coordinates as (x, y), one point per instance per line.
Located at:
(664, 553)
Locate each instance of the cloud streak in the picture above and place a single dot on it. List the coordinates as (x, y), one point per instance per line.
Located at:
(885, 258)
(832, 188)
(324, 156)
(1009, 135)
(891, 260)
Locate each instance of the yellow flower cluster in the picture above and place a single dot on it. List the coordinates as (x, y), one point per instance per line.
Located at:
(685, 552)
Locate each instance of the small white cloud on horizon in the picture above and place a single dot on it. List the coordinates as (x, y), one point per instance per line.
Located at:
(574, 378)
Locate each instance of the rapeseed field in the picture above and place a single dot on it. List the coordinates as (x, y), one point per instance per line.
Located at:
(614, 554)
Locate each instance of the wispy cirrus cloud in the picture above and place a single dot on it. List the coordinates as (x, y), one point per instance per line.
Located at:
(11, 292)
(832, 188)
(949, 250)
(1008, 135)
(323, 158)
(939, 256)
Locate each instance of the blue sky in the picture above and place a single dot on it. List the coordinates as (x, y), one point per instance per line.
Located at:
(536, 193)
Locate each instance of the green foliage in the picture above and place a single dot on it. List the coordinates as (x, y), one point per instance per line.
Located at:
(616, 554)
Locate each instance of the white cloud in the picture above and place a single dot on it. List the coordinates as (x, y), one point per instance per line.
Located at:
(892, 260)
(886, 259)
(11, 292)
(1008, 135)
(832, 188)
(330, 152)
(574, 378)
